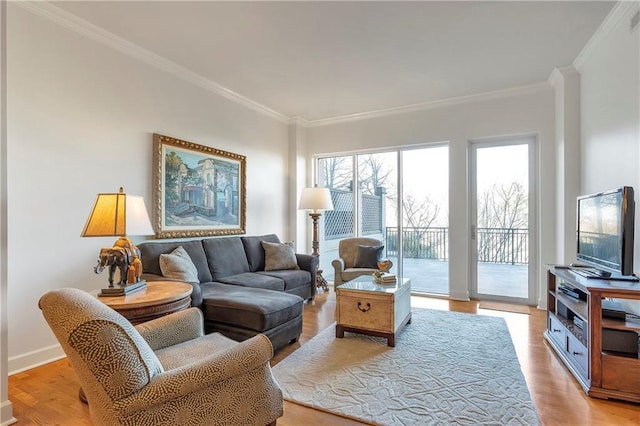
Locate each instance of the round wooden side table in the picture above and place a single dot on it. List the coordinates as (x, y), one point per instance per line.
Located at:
(157, 299)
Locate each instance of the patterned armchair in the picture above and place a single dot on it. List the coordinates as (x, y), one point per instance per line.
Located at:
(345, 266)
(162, 372)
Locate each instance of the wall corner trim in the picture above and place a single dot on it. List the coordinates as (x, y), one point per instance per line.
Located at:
(559, 73)
(300, 121)
(619, 14)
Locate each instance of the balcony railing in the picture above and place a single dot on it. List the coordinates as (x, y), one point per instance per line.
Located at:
(495, 245)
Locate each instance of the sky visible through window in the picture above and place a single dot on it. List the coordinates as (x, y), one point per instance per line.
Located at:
(502, 165)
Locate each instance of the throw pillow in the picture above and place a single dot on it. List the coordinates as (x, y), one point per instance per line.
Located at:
(368, 256)
(178, 265)
(278, 257)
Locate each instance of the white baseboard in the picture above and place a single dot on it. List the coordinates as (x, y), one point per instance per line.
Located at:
(34, 359)
(6, 413)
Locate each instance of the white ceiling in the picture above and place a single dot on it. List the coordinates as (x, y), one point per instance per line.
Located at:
(324, 59)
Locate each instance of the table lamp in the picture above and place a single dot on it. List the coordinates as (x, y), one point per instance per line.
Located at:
(119, 214)
(316, 199)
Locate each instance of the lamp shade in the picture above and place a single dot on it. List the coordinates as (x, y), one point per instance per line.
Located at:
(118, 214)
(315, 199)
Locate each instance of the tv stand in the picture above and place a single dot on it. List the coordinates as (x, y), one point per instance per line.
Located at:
(600, 350)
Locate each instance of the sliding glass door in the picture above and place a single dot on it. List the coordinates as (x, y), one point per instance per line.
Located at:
(413, 182)
(359, 210)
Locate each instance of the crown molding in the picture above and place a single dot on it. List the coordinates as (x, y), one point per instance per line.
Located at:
(618, 15)
(300, 121)
(479, 97)
(93, 32)
(558, 74)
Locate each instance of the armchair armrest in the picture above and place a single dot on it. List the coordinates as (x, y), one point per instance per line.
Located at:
(246, 356)
(338, 267)
(338, 264)
(172, 329)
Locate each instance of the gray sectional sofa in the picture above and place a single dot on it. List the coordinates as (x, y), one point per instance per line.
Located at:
(238, 297)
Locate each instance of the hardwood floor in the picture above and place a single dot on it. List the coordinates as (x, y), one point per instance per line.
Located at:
(48, 395)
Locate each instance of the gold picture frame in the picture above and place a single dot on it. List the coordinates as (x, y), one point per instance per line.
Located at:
(198, 190)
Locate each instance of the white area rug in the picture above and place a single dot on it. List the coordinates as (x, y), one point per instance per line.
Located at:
(446, 368)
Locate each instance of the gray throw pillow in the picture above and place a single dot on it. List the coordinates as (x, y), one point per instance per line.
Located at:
(368, 256)
(279, 257)
(178, 265)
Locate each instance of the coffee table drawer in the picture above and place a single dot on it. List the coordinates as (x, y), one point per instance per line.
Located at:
(366, 313)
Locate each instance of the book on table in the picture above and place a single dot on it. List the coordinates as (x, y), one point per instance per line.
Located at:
(386, 277)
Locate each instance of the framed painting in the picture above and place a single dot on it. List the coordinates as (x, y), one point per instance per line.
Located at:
(198, 190)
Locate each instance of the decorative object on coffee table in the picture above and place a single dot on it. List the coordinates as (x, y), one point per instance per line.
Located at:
(385, 265)
(119, 214)
(316, 199)
(384, 277)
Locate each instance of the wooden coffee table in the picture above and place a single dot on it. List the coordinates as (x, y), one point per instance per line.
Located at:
(366, 307)
(159, 298)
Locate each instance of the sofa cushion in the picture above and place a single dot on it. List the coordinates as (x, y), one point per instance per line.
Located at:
(279, 256)
(150, 252)
(368, 256)
(178, 265)
(252, 308)
(225, 256)
(255, 280)
(254, 250)
(292, 278)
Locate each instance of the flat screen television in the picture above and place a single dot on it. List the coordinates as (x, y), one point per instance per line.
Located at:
(605, 232)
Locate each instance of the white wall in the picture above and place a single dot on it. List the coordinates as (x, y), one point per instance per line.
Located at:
(522, 112)
(610, 78)
(610, 81)
(80, 121)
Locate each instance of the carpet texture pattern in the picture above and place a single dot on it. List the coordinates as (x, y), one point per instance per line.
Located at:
(446, 368)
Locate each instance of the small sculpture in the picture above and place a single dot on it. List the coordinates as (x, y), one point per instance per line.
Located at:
(384, 265)
(124, 257)
(116, 258)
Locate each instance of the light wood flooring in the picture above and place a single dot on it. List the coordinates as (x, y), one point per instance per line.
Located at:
(48, 395)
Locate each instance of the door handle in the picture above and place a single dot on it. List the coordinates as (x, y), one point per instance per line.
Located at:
(473, 232)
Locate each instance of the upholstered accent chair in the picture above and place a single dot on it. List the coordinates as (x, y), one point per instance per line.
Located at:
(346, 266)
(162, 372)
